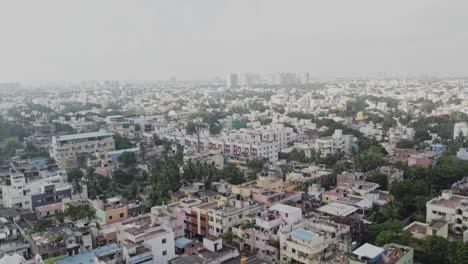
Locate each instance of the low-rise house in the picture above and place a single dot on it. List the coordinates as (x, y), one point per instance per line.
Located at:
(109, 254)
(271, 197)
(426, 159)
(420, 230)
(212, 251)
(62, 240)
(11, 241)
(49, 210)
(388, 254)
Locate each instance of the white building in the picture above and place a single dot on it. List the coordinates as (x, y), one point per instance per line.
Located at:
(73, 150)
(336, 143)
(450, 208)
(309, 241)
(460, 129)
(462, 153)
(222, 218)
(29, 195)
(278, 215)
(396, 134)
(160, 239)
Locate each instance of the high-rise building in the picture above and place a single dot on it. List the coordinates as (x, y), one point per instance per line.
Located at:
(232, 80)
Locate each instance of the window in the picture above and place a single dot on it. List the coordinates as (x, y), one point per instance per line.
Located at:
(164, 252)
(164, 241)
(110, 217)
(121, 215)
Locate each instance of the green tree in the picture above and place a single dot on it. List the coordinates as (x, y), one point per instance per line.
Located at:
(8, 145)
(378, 178)
(127, 159)
(386, 237)
(369, 159)
(42, 225)
(122, 142)
(73, 174)
(232, 174)
(434, 249)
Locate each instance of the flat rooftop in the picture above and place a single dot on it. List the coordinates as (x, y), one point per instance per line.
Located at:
(84, 135)
(285, 208)
(338, 209)
(304, 234)
(368, 251)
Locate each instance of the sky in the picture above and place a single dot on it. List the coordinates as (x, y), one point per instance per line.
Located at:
(52, 40)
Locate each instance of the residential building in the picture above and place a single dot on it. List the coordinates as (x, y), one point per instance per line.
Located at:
(74, 150)
(420, 230)
(313, 240)
(388, 254)
(11, 241)
(450, 208)
(460, 129)
(211, 251)
(38, 192)
(336, 143)
(110, 211)
(231, 213)
(157, 238)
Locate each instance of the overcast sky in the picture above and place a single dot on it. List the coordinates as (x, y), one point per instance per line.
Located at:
(198, 39)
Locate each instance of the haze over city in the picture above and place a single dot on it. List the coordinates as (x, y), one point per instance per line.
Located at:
(193, 40)
(234, 132)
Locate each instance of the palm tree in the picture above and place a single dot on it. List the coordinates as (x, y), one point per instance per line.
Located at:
(90, 173)
(93, 187)
(77, 188)
(374, 214)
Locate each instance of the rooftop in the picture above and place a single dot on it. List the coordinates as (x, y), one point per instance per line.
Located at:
(88, 256)
(368, 251)
(84, 135)
(304, 234)
(285, 208)
(338, 209)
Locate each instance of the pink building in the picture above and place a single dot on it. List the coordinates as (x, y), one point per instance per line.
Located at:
(270, 197)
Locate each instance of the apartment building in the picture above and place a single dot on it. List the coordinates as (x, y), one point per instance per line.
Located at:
(35, 193)
(313, 240)
(120, 125)
(110, 210)
(335, 143)
(231, 213)
(450, 208)
(267, 223)
(259, 142)
(198, 220)
(396, 134)
(159, 239)
(74, 150)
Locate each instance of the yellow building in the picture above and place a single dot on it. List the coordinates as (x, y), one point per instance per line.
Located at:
(269, 182)
(244, 189)
(360, 116)
(110, 211)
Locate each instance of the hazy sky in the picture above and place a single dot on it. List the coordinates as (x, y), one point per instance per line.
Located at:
(198, 39)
